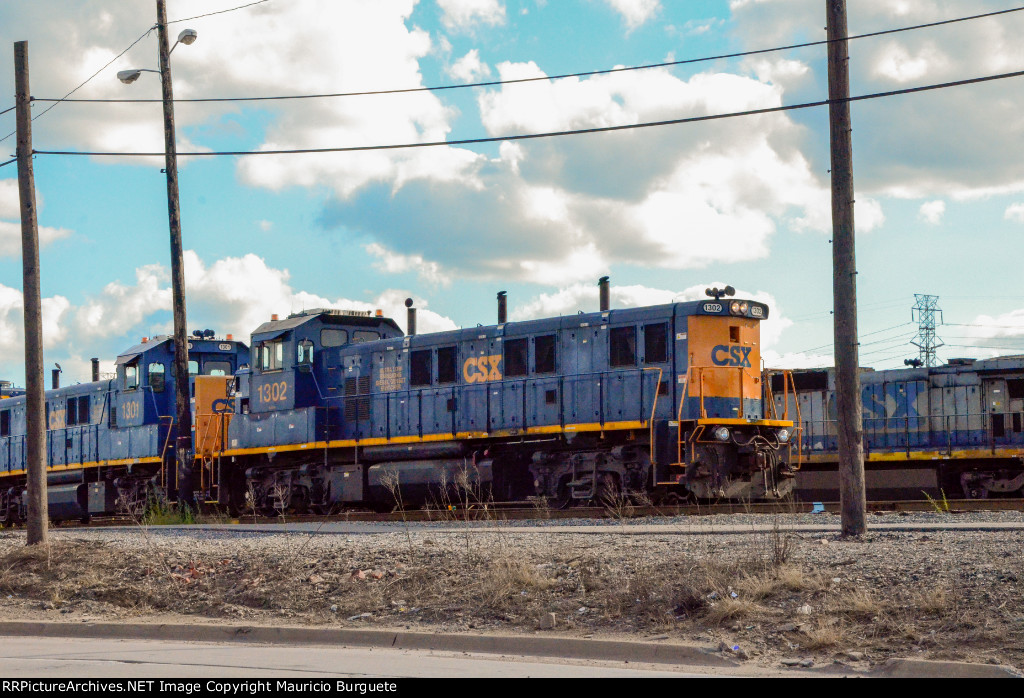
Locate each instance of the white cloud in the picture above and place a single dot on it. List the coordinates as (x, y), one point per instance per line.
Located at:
(10, 221)
(572, 299)
(635, 12)
(894, 62)
(1015, 213)
(233, 295)
(265, 226)
(469, 68)
(464, 14)
(394, 263)
(932, 212)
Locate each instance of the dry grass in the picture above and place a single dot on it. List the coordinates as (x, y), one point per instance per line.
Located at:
(737, 589)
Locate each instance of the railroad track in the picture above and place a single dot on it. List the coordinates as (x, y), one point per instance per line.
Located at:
(518, 511)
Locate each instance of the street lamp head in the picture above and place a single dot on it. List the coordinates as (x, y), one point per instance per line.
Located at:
(128, 76)
(188, 36)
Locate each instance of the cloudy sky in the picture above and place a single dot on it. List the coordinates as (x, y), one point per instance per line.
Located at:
(664, 211)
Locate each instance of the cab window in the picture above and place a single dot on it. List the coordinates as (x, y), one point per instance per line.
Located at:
(305, 353)
(419, 368)
(273, 356)
(193, 368)
(360, 336)
(217, 368)
(447, 366)
(157, 377)
(131, 377)
(333, 338)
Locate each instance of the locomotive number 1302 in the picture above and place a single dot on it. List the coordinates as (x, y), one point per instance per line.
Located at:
(273, 392)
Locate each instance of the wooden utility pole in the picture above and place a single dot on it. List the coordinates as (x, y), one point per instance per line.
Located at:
(844, 278)
(35, 387)
(183, 446)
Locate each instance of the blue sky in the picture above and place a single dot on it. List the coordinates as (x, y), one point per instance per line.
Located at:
(665, 212)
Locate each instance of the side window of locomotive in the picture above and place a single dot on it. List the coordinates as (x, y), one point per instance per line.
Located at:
(623, 346)
(273, 356)
(216, 368)
(516, 363)
(131, 377)
(193, 368)
(447, 366)
(360, 336)
(419, 368)
(305, 354)
(656, 343)
(544, 349)
(157, 377)
(734, 335)
(5, 423)
(330, 337)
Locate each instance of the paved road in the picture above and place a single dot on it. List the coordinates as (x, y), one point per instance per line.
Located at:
(25, 657)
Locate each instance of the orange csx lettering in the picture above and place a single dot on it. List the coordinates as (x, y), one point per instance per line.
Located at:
(482, 369)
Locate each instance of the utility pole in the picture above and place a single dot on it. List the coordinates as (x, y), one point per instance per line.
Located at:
(844, 278)
(183, 445)
(35, 386)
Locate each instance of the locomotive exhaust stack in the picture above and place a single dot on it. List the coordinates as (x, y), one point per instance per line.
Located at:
(604, 290)
(502, 307)
(411, 317)
(95, 370)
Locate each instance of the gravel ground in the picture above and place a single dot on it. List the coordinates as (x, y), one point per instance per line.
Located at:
(766, 597)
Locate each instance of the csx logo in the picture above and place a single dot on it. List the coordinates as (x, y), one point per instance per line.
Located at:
(731, 356)
(482, 369)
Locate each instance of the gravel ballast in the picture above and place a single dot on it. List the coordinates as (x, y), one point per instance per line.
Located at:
(766, 596)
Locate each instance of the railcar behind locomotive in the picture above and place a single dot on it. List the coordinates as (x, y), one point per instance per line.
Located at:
(956, 430)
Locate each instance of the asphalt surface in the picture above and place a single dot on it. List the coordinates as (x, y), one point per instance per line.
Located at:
(164, 650)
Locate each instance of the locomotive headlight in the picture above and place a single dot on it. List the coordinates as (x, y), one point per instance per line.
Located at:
(735, 308)
(722, 433)
(743, 308)
(783, 435)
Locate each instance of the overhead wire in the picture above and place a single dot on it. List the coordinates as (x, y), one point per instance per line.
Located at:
(221, 12)
(115, 58)
(550, 134)
(588, 73)
(65, 97)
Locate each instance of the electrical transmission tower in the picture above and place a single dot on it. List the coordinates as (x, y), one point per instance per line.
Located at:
(924, 313)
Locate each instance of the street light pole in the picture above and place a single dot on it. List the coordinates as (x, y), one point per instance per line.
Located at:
(183, 445)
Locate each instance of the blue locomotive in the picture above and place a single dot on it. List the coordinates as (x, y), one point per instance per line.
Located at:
(956, 429)
(109, 442)
(340, 408)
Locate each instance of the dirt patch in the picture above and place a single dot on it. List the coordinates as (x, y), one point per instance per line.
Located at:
(764, 596)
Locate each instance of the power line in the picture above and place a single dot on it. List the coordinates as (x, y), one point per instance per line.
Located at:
(221, 12)
(2, 164)
(590, 73)
(7, 110)
(65, 97)
(550, 134)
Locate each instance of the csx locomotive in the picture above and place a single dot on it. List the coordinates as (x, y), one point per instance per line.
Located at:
(954, 430)
(339, 408)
